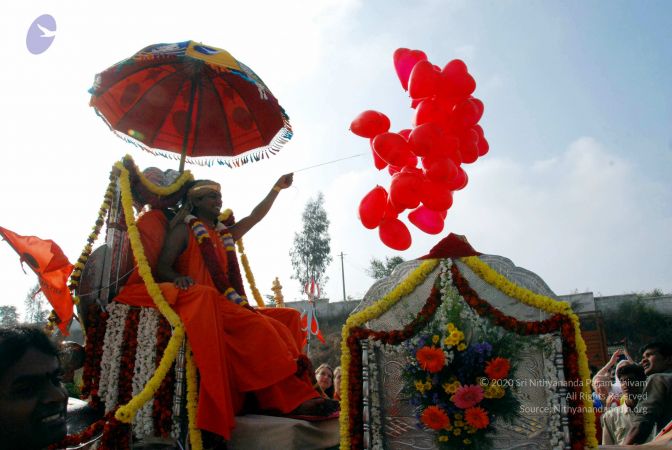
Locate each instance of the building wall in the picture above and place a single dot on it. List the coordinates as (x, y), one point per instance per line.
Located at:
(325, 309)
(586, 302)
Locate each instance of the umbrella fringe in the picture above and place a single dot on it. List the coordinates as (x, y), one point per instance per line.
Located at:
(283, 136)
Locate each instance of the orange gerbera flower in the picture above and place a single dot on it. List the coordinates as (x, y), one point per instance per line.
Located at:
(431, 359)
(497, 368)
(435, 418)
(477, 417)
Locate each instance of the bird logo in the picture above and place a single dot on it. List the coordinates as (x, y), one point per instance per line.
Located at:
(41, 34)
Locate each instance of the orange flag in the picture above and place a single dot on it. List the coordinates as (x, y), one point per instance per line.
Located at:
(52, 268)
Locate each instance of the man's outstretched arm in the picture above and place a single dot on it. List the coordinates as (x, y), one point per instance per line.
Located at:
(244, 225)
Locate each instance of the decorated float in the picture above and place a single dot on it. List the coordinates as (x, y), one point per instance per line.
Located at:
(461, 350)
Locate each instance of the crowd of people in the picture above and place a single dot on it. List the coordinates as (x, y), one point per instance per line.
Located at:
(633, 400)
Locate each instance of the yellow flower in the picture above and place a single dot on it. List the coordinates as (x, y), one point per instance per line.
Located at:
(457, 431)
(435, 339)
(451, 388)
(466, 441)
(494, 391)
(451, 340)
(450, 327)
(420, 386)
(459, 423)
(443, 438)
(458, 416)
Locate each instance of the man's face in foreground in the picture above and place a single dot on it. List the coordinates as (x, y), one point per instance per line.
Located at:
(32, 402)
(654, 362)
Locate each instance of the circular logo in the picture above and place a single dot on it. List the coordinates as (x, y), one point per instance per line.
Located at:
(41, 34)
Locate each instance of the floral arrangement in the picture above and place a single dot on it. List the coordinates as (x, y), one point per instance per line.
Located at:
(459, 385)
(562, 320)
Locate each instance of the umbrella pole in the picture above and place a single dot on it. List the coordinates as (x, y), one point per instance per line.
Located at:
(187, 126)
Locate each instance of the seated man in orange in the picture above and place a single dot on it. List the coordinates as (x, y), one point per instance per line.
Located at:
(234, 345)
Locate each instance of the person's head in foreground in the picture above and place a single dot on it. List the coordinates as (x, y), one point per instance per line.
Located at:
(633, 380)
(656, 357)
(325, 378)
(33, 400)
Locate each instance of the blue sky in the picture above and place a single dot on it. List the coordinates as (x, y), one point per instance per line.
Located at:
(577, 112)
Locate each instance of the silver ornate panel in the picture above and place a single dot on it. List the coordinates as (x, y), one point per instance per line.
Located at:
(390, 421)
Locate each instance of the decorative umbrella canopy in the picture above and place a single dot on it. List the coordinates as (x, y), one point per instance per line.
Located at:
(192, 100)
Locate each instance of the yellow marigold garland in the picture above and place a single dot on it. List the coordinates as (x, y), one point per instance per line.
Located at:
(549, 305)
(126, 412)
(161, 190)
(248, 273)
(195, 437)
(75, 276)
(374, 311)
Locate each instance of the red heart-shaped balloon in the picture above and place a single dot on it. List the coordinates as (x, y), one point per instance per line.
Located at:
(394, 234)
(378, 162)
(393, 148)
(404, 61)
(372, 207)
(439, 169)
(436, 196)
(423, 81)
(370, 123)
(405, 190)
(429, 111)
(427, 220)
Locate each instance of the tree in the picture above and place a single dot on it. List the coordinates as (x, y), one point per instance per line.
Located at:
(36, 308)
(8, 316)
(638, 323)
(379, 269)
(311, 253)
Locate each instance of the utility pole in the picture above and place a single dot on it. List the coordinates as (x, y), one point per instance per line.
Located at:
(343, 274)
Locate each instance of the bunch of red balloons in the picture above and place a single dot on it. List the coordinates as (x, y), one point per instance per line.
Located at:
(425, 162)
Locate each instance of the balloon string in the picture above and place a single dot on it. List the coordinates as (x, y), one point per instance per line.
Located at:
(328, 162)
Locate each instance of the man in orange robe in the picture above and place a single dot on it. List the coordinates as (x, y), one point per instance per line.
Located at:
(237, 349)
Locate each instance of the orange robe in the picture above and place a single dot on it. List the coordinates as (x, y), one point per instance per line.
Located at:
(235, 349)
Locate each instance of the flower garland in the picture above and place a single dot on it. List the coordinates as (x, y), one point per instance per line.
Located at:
(126, 412)
(195, 437)
(349, 361)
(85, 436)
(95, 335)
(549, 305)
(248, 273)
(205, 245)
(128, 353)
(145, 362)
(110, 363)
(163, 398)
(162, 191)
(76, 275)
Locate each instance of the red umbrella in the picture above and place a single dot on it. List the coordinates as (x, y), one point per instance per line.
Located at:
(192, 100)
